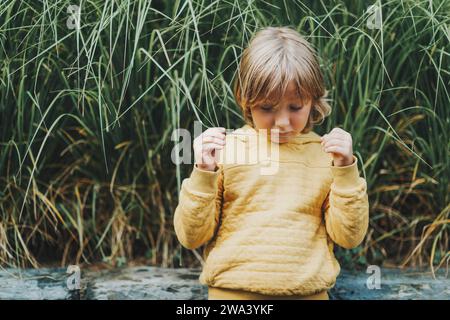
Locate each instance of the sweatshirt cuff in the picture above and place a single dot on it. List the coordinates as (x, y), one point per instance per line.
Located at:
(346, 177)
(203, 180)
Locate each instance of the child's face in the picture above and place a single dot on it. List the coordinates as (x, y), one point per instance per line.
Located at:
(289, 116)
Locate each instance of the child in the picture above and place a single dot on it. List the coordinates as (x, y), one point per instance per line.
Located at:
(272, 236)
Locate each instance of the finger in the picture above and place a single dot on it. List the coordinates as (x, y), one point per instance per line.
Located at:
(335, 134)
(211, 146)
(331, 140)
(214, 134)
(336, 142)
(334, 137)
(215, 130)
(207, 159)
(339, 130)
(213, 139)
(209, 136)
(335, 149)
(212, 156)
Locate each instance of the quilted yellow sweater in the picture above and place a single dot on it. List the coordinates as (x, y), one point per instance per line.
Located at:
(273, 234)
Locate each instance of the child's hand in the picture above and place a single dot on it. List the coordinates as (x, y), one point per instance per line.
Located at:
(339, 143)
(205, 146)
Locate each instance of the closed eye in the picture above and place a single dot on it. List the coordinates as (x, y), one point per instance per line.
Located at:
(267, 108)
(295, 108)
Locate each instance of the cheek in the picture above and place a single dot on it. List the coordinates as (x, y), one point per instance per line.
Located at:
(262, 121)
(299, 120)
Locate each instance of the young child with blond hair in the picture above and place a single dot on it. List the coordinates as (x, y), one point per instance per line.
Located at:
(272, 236)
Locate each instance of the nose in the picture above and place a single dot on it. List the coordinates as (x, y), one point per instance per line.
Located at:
(281, 120)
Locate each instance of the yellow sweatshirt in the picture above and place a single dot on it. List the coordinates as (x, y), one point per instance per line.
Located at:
(273, 234)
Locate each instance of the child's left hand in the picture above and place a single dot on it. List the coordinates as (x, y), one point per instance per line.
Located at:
(339, 143)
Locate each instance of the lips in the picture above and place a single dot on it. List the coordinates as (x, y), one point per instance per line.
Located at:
(281, 137)
(282, 134)
(278, 130)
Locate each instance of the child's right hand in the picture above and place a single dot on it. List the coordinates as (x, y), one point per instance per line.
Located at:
(205, 146)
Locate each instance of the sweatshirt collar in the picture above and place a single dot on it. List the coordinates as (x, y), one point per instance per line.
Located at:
(246, 131)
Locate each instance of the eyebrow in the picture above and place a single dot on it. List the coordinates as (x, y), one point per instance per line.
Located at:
(272, 104)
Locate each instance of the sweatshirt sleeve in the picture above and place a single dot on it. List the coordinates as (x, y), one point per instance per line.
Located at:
(346, 207)
(197, 214)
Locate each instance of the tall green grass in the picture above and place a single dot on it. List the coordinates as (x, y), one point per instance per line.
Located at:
(86, 117)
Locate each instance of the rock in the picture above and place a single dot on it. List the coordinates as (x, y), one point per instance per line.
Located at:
(141, 283)
(40, 284)
(395, 284)
(146, 283)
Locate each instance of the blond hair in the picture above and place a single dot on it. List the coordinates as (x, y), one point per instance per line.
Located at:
(274, 57)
